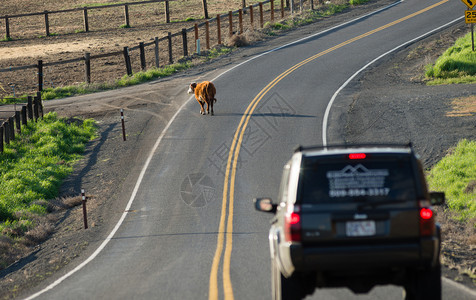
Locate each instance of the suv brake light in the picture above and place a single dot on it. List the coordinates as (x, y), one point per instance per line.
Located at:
(427, 220)
(292, 225)
(357, 156)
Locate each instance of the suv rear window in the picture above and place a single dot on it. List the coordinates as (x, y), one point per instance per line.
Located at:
(329, 180)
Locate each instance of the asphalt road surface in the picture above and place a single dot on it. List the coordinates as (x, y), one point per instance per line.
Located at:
(190, 230)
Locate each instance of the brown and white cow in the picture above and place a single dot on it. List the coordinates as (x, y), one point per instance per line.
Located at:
(204, 93)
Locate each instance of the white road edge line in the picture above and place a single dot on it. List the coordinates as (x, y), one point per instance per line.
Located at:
(159, 140)
(331, 102)
(459, 286)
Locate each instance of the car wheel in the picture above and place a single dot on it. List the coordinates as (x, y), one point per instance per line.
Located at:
(425, 285)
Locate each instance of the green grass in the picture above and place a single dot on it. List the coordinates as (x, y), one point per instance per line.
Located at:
(217, 52)
(35, 163)
(136, 78)
(455, 174)
(455, 65)
(357, 2)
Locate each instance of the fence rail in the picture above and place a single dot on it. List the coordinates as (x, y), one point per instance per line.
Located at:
(85, 14)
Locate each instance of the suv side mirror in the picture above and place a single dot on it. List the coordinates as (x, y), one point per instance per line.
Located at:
(265, 205)
(437, 198)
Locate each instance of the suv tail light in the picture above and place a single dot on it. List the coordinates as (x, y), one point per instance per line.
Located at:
(427, 219)
(292, 225)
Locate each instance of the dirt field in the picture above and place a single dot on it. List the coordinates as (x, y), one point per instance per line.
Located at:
(105, 176)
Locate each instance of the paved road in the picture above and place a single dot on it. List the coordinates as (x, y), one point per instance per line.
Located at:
(190, 231)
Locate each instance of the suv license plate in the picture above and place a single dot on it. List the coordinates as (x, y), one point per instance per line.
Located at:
(360, 228)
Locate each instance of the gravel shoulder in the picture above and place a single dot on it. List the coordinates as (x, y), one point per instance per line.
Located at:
(389, 102)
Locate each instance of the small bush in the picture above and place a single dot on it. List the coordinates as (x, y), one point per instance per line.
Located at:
(238, 40)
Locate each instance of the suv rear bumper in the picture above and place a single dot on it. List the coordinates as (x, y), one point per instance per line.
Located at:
(348, 257)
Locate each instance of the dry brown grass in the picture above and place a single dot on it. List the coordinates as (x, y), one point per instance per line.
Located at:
(18, 241)
(462, 107)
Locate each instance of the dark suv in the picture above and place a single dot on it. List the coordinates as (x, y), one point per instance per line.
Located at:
(354, 217)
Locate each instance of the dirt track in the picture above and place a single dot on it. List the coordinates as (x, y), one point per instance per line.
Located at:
(106, 171)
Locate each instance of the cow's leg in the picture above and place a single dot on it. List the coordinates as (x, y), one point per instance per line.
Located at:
(208, 107)
(202, 109)
(211, 104)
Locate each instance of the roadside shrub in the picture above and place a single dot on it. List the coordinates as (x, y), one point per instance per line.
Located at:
(457, 61)
(238, 40)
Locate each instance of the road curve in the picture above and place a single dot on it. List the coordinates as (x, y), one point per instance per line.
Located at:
(189, 230)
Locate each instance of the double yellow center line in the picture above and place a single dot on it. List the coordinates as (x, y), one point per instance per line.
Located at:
(225, 236)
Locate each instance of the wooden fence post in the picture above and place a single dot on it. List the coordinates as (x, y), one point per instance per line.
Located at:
(251, 17)
(7, 27)
(143, 64)
(195, 27)
(1, 138)
(167, 12)
(87, 67)
(282, 9)
(85, 19)
(240, 19)
(169, 39)
(40, 103)
(6, 125)
(261, 14)
(47, 24)
(156, 52)
(23, 115)
(12, 128)
(185, 44)
(230, 23)
(127, 60)
(36, 108)
(126, 15)
(30, 107)
(272, 10)
(219, 29)
(205, 9)
(207, 33)
(17, 121)
(40, 75)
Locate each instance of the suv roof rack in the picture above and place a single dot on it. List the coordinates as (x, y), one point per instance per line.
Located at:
(301, 148)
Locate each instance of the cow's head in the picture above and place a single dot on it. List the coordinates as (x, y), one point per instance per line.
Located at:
(191, 88)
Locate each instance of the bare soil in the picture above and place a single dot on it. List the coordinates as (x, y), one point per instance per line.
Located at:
(107, 172)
